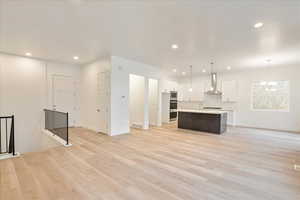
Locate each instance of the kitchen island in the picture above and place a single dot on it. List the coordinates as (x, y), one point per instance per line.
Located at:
(212, 121)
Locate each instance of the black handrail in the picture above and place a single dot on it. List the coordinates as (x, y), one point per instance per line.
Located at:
(9, 137)
(57, 123)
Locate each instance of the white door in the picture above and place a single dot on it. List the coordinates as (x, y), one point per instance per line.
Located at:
(64, 96)
(102, 101)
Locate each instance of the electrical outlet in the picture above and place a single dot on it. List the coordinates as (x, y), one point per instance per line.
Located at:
(297, 167)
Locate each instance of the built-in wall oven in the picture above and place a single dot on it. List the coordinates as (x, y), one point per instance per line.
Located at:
(173, 105)
(173, 96)
(173, 115)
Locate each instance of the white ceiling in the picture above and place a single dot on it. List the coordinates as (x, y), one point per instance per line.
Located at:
(143, 30)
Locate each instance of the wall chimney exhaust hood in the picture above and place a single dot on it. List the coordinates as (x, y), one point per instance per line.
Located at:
(214, 81)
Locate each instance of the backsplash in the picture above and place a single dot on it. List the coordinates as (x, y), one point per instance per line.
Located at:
(212, 100)
(209, 101)
(190, 105)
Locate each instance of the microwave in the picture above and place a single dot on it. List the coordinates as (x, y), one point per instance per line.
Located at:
(173, 95)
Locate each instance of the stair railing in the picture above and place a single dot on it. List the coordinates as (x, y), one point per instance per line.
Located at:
(57, 123)
(7, 135)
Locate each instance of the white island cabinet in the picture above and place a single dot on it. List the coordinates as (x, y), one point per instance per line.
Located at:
(229, 91)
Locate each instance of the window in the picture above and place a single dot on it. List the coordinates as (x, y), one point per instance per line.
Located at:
(270, 95)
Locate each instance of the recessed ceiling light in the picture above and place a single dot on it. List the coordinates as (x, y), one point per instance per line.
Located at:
(191, 89)
(174, 70)
(258, 25)
(228, 68)
(183, 73)
(28, 54)
(204, 70)
(75, 57)
(174, 46)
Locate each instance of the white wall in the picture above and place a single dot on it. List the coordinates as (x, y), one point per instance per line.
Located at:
(121, 68)
(136, 100)
(24, 92)
(153, 102)
(261, 119)
(26, 89)
(88, 87)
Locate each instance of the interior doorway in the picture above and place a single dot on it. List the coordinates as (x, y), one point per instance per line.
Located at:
(136, 101)
(102, 101)
(64, 96)
(153, 102)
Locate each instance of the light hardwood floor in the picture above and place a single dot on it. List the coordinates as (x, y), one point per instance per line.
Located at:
(159, 164)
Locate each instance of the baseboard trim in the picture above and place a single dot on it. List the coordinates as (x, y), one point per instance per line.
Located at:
(9, 155)
(56, 138)
(136, 125)
(267, 129)
(119, 134)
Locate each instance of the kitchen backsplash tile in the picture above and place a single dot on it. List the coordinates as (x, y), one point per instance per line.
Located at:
(211, 101)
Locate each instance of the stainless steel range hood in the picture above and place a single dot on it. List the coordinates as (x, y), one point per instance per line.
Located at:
(214, 81)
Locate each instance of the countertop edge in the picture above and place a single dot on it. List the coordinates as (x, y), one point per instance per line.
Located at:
(204, 112)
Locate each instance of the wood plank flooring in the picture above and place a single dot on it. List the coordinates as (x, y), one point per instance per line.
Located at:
(159, 164)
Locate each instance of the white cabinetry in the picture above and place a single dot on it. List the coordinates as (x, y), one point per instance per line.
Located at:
(231, 117)
(207, 86)
(229, 91)
(165, 111)
(168, 86)
(180, 92)
(184, 93)
(198, 92)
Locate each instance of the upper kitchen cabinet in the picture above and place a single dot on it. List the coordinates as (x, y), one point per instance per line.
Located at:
(183, 93)
(168, 86)
(229, 91)
(207, 85)
(180, 92)
(198, 92)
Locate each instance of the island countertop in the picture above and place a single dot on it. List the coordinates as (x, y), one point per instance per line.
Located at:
(203, 111)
